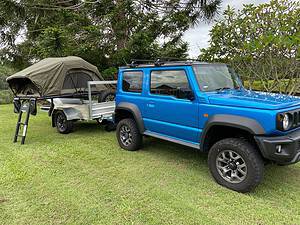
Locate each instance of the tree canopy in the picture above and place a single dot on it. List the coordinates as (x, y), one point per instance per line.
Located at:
(104, 32)
(261, 42)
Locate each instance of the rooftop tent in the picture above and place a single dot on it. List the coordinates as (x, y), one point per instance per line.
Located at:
(55, 77)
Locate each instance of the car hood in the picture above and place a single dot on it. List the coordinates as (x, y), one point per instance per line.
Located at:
(253, 99)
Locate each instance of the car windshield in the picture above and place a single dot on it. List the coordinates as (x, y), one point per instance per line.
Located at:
(216, 77)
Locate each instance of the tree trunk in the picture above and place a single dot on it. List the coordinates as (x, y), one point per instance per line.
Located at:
(120, 27)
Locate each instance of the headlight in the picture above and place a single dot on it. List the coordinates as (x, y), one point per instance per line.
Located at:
(284, 121)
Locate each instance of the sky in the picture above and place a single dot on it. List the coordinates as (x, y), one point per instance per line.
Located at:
(198, 37)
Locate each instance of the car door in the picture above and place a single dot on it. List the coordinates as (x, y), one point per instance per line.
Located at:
(171, 108)
(130, 87)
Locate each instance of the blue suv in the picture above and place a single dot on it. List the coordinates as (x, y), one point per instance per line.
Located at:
(206, 107)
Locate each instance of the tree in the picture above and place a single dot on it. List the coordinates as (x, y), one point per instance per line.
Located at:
(261, 42)
(104, 32)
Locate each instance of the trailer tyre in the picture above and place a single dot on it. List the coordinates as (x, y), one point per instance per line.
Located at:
(110, 126)
(128, 135)
(63, 125)
(107, 96)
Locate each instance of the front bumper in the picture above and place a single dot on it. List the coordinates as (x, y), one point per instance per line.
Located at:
(281, 149)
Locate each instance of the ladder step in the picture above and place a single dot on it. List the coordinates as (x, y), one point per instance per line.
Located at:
(23, 124)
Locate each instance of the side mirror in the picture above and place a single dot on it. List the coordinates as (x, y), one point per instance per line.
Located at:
(190, 95)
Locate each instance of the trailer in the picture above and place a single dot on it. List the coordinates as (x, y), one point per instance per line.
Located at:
(65, 111)
(74, 89)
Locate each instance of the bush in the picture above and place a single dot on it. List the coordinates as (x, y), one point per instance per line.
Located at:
(5, 71)
(6, 97)
(110, 73)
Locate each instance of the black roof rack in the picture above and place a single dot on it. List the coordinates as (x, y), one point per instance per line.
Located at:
(160, 62)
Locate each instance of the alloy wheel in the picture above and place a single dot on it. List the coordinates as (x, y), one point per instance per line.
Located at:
(61, 121)
(231, 166)
(125, 135)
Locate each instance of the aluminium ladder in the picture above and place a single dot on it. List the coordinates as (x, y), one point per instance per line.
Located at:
(26, 108)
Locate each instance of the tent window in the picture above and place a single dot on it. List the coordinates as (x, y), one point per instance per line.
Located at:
(76, 80)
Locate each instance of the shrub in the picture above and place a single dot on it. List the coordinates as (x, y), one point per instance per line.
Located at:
(110, 73)
(5, 71)
(6, 97)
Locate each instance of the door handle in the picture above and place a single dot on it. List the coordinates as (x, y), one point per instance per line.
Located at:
(151, 104)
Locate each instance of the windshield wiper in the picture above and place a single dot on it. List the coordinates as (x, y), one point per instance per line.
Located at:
(222, 88)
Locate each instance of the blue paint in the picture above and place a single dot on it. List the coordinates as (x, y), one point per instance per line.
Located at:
(184, 119)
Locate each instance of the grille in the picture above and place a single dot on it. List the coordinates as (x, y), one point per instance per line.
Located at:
(296, 118)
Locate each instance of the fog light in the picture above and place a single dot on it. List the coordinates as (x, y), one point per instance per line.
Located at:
(278, 148)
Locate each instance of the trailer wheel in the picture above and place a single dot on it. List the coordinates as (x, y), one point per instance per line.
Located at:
(63, 125)
(107, 96)
(102, 122)
(110, 126)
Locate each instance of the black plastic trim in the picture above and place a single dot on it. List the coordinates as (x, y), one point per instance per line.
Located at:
(290, 147)
(134, 110)
(244, 123)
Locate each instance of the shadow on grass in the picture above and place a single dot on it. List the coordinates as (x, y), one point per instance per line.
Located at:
(276, 178)
(170, 149)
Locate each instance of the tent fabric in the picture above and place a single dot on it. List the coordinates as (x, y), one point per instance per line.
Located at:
(47, 77)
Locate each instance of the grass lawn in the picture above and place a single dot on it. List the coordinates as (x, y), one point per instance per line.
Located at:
(85, 178)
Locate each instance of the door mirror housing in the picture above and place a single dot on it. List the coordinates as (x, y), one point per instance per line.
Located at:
(190, 95)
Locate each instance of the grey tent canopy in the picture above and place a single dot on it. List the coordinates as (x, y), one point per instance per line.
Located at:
(55, 77)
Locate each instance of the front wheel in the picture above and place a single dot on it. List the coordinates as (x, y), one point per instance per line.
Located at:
(236, 164)
(128, 135)
(63, 125)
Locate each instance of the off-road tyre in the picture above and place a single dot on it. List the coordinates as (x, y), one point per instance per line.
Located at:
(107, 96)
(248, 153)
(63, 125)
(128, 126)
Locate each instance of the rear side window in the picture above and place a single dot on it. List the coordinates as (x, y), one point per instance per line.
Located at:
(132, 81)
(170, 82)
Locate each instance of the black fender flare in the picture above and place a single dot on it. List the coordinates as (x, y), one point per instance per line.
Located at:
(134, 110)
(244, 123)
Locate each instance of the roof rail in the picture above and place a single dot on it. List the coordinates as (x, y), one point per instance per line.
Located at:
(159, 61)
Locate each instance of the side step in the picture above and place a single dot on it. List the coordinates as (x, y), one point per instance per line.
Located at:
(167, 138)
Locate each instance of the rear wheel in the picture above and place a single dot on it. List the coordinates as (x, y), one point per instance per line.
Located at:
(128, 135)
(63, 125)
(236, 164)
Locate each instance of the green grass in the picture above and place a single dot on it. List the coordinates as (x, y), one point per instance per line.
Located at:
(85, 178)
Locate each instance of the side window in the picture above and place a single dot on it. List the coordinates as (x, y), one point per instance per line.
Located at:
(170, 82)
(132, 81)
